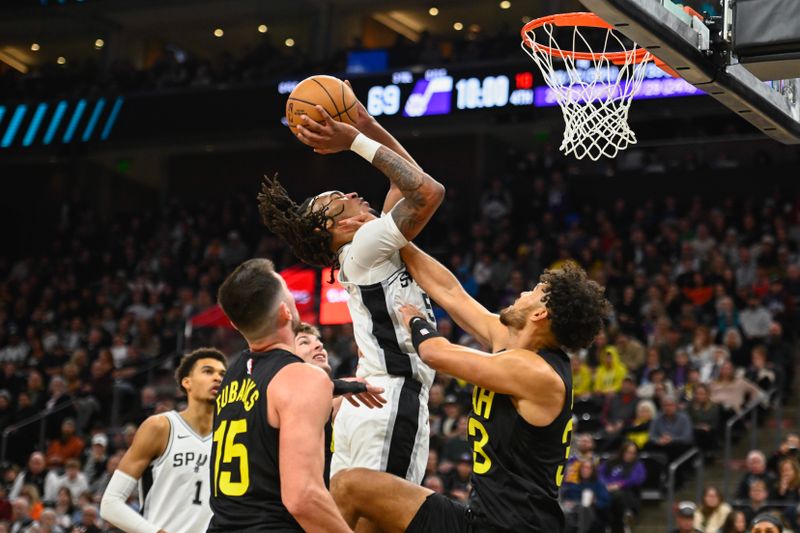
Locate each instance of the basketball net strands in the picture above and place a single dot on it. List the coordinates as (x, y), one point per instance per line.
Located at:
(594, 74)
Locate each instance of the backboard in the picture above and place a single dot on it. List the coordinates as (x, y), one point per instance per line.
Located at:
(703, 53)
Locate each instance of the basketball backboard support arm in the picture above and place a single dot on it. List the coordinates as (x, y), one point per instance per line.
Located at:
(658, 29)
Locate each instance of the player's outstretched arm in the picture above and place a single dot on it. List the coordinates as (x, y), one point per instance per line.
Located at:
(517, 373)
(148, 443)
(445, 289)
(301, 395)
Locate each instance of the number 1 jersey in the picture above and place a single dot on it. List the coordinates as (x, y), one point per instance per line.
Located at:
(173, 490)
(245, 474)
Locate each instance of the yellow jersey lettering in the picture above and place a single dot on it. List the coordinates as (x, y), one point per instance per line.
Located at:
(244, 392)
(482, 401)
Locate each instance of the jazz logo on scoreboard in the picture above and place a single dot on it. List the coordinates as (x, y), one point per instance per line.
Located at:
(430, 97)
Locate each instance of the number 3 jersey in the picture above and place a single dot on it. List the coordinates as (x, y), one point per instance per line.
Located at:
(518, 467)
(245, 472)
(174, 489)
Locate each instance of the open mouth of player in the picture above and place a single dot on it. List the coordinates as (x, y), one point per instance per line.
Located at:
(319, 357)
(214, 390)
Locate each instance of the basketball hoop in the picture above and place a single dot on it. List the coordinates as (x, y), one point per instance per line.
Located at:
(594, 88)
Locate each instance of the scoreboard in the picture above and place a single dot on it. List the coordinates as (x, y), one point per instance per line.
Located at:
(414, 93)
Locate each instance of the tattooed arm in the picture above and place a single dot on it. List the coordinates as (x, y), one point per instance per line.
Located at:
(422, 194)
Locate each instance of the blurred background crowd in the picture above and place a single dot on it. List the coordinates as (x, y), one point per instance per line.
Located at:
(706, 293)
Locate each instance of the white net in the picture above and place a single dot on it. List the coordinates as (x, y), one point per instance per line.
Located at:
(594, 93)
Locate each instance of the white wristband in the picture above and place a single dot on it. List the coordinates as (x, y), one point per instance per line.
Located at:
(365, 147)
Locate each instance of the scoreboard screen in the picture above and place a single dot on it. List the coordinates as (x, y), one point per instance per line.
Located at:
(439, 91)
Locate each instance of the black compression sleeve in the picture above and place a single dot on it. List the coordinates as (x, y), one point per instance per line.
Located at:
(421, 330)
(341, 386)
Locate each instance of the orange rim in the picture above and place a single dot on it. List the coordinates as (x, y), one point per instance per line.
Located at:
(589, 20)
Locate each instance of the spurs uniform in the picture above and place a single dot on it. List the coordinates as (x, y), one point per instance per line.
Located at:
(174, 489)
(394, 439)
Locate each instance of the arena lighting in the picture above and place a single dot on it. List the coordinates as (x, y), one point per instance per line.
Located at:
(61, 60)
(99, 43)
(433, 11)
(505, 4)
(289, 42)
(35, 47)
(263, 28)
(458, 26)
(43, 125)
(16, 120)
(218, 32)
(38, 115)
(474, 28)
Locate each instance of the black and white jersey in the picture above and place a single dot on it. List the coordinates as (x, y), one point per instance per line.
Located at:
(174, 490)
(378, 284)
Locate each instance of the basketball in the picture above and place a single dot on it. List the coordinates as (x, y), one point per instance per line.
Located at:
(331, 93)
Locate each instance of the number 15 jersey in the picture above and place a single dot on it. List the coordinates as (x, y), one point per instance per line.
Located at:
(245, 473)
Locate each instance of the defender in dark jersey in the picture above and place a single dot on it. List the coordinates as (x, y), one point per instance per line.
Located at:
(521, 421)
(268, 452)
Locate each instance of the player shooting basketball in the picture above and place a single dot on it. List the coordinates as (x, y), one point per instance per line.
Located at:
(334, 229)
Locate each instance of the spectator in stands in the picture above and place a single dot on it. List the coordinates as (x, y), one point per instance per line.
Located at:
(639, 430)
(31, 493)
(20, 515)
(96, 459)
(457, 480)
(67, 446)
(679, 374)
(785, 488)
(657, 377)
(710, 370)
(713, 511)
(57, 400)
(457, 445)
(758, 372)
(45, 480)
(631, 352)
(779, 350)
(619, 411)
(623, 475)
(756, 470)
(73, 479)
(700, 349)
(581, 378)
(692, 381)
(684, 516)
(90, 520)
(755, 320)
(671, 432)
(48, 522)
(452, 416)
(64, 507)
(735, 523)
(589, 495)
(756, 502)
(652, 362)
(610, 372)
(731, 391)
(789, 449)
(766, 523)
(434, 483)
(583, 451)
(705, 418)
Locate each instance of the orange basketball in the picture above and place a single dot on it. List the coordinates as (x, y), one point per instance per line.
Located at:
(331, 93)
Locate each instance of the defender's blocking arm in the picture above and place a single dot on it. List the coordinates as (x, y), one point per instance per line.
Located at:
(445, 289)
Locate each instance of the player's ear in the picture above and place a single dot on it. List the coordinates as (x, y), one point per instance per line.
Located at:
(538, 313)
(284, 314)
(185, 382)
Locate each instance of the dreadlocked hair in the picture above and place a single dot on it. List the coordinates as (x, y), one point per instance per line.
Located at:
(576, 305)
(305, 230)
